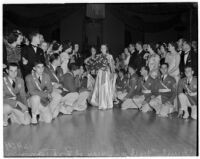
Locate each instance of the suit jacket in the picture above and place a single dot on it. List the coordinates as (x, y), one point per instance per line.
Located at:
(55, 75)
(45, 85)
(69, 82)
(140, 61)
(183, 87)
(132, 86)
(148, 85)
(19, 91)
(168, 83)
(133, 57)
(192, 60)
(29, 54)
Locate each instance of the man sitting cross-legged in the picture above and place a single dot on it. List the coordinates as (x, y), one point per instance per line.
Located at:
(166, 93)
(144, 91)
(15, 105)
(43, 100)
(132, 86)
(56, 74)
(76, 98)
(187, 94)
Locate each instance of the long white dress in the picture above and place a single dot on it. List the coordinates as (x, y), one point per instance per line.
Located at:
(103, 92)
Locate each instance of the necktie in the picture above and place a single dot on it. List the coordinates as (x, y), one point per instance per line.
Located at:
(162, 78)
(144, 80)
(13, 84)
(39, 79)
(188, 82)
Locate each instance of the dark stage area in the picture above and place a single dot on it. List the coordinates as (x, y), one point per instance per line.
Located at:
(111, 23)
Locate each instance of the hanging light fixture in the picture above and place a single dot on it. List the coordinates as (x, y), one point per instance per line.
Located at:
(95, 11)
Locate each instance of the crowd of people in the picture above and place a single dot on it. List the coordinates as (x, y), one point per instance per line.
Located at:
(44, 79)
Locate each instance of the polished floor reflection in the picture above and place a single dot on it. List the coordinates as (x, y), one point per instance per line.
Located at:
(103, 133)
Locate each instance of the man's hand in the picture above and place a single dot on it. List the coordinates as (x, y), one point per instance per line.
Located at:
(124, 99)
(4, 65)
(57, 85)
(49, 96)
(168, 103)
(24, 61)
(22, 106)
(144, 102)
(153, 96)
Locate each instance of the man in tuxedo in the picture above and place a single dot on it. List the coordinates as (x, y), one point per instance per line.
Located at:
(139, 58)
(189, 58)
(76, 54)
(32, 53)
(132, 51)
(44, 47)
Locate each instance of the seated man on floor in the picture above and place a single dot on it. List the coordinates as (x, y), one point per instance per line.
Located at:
(76, 98)
(43, 100)
(121, 85)
(163, 102)
(55, 73)
(132, 86)
(15, 105)
(187, 94)
(145, 89)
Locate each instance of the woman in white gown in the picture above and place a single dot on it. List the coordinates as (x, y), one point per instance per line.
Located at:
(103, 92)
(153, 62)
(65, 57)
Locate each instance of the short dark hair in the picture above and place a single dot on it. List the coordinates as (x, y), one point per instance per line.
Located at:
(12, 65)
(146, 68)
(33, 34)
(73, 66)
(55, 46)
(67, 44)
(187, 42)
(165, 64)
(140, 43)
(37, 62)
(175, 45)
(53, 57)
(12, 36)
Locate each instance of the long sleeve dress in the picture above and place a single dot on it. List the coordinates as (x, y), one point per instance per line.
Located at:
(103, 92)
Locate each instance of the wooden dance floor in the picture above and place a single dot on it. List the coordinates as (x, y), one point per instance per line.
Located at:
(104, 133)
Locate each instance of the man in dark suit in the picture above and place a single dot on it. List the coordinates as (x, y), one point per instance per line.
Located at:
(139, 59)
(32, 53)
(76, 55)
(132, 51)
(189, 58)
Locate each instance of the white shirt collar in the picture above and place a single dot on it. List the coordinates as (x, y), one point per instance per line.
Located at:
(145, 78)
(140, 51)
(164, 76)
(54, 67)
(11, 81)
